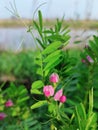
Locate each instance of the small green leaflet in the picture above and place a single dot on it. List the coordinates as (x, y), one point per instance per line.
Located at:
(38, 104)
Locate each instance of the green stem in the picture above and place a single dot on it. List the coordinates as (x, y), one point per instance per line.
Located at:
(86, 98)
(53, 127)
(89, 85)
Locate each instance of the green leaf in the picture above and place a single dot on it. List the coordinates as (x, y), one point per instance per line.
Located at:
(22, 99)
(35, 91)
(40, 19)
(69, 101)
(96, 40)
(66, 39)
(39, 72)
(91, 101)
(52, 47)
(91, 122)
(55, 61)
(81, 116)
(94, 47)
(38, 54)
(80, 110)
(36, 25)
(37, 84)
(38, 104)
(46, 72)
(41, 44)
(38, 62)
(52, 56)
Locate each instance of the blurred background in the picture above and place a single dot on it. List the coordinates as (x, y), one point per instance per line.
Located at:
(72, 9)
(81, 16)
(16, 44)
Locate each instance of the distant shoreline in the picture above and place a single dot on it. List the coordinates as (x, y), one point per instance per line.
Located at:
(77, 24)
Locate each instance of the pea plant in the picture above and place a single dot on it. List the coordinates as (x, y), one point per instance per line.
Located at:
(59, 81)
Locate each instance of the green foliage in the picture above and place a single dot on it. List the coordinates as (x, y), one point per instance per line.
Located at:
(86, 121)
(27, 124)
(48, 36)
(38, 104)
(75, 78)
(35, 86)
(51, 41)
(19, 116)
(92, 68)
(18, 66)
(19, 96)
(79, 81)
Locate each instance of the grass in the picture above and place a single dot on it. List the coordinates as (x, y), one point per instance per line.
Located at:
(82, 24)
(14, 23)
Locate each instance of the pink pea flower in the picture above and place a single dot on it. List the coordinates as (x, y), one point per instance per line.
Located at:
(9, 103)
(58, 95)
(48, 91)
(54, 78)
(89, 59)
(63, 99)
(2, 116)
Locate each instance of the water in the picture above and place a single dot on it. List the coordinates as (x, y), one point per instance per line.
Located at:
(15, 39)
(18, 38)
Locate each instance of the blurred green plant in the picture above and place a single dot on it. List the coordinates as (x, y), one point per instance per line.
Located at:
(19, 66)
(92, 66)
(14, 103)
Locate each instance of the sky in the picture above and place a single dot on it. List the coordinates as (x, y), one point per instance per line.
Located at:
(71, 9)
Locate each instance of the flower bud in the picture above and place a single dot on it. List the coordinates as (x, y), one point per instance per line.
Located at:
(83, 61)
(63, 99)
(2, 116)
(54, 78)
(9, 103)
(89, 59)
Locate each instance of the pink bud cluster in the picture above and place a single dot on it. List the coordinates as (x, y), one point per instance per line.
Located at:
(48, 90)
(90, 60)
(9, 103)
(59, 96)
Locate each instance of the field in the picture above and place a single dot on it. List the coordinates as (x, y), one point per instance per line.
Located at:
(82, 24)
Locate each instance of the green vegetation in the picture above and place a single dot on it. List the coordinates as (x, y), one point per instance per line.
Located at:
(20, 67)
(17, 66)
(67, 102)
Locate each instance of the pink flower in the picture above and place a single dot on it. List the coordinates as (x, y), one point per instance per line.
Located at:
(48, 91)
(58, 95)
(63, 99)
(83, 61)
(89, 59)
(9, 103)
(2, 116)
(54, 78)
